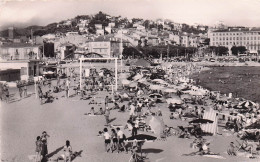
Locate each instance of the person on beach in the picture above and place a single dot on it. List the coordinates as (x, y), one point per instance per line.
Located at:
(44, 150)
(107, 114)
(25, 90)
(114, 138)
(20, 88)
(67, 91)
(232, 149)
(38, 149)
(67, 151)
(100, 112)
(92, 111)
(121, 138)
(6, 93)
(107, 138)
(106, 101)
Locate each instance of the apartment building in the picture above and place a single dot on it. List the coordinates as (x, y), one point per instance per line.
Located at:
(248, 37)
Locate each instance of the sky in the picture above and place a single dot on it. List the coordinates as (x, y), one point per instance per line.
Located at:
(206, 12)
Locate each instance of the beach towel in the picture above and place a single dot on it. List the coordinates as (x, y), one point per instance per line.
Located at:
(214, 156)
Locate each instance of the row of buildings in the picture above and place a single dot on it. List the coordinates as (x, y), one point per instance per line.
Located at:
(236, 36)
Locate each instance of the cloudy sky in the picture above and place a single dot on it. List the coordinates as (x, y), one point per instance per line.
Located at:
(207, 12)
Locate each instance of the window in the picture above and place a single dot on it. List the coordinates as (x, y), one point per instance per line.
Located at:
(255, 38)
(237, 38)
(213, 43)
(234, 38)
(227, 43)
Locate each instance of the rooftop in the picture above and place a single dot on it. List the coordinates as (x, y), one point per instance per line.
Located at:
(238, 30)
(19, 45)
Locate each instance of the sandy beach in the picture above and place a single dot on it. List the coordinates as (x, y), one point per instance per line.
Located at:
(22, 121)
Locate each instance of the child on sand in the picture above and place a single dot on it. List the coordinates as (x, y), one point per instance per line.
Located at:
(107, 140)
(44, 150)
(114, 146)
(120, 135)
(38, 149)
(231, 149)
(67, 151)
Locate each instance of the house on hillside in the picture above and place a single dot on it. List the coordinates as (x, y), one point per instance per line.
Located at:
(21, 51)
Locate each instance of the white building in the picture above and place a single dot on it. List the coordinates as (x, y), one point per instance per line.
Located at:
(248, 37)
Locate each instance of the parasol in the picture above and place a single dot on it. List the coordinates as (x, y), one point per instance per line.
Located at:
(156, 87)
(142, 137)
(175, 100)
(200, 121)
(133, 84)
(169, 90)
(247, 104)
(255, 125)
(153, 95)
(186, 96)
(125, 82)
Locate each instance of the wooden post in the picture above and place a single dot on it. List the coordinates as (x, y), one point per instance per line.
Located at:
(116, 74)
(80, 74)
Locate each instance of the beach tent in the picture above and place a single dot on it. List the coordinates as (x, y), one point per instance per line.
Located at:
(157, 125)
(247, 104)
(142, 62)
(210, 127)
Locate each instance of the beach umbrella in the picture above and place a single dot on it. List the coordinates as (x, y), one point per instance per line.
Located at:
(125, 82)
(174, 100)
(247, 104)
(195, 93)
(123, 75)
(255, 125)
(153, 95)
(142, 137)
(186, 96)
(189, 115)
(137, 77)
(133, 84)
(169, 90)
(200, 121)
(160, 81)
(156, 87)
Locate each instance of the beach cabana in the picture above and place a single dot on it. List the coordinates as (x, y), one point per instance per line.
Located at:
(211, 128)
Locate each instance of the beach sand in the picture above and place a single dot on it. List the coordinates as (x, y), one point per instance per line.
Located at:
(22, 121)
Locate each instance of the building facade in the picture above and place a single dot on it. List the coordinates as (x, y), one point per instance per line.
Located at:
(248, 37)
